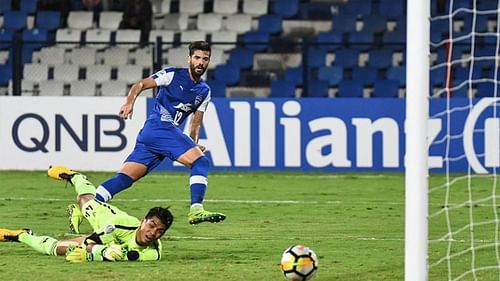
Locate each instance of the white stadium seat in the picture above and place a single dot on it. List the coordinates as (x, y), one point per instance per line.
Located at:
(129, 73)
(82, 56)
(51, 88)
(255, 7)
(98, 72)
(80, 20)
(209, 22)
(114, 88)
(82, 88)
(226, 7)
(240, 23)
(191, 7)
(97, 38)
(110, 20)
(68, 38)
(66, 72)
(35, 72)
(225, 36)
(131, 36)
(188, 36)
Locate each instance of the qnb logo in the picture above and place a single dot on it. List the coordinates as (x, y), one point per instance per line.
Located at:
(184, 107)
(491, 137)
(31, 133)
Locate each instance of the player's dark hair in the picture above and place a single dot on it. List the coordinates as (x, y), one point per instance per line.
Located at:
(199, 46)
(163, 214)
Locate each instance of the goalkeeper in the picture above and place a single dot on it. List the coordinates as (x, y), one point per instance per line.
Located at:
(117, 236)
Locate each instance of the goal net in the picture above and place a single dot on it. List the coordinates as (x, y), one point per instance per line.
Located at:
(464, 140)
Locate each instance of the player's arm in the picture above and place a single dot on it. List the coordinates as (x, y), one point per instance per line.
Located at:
(127, 109)
(197, 121)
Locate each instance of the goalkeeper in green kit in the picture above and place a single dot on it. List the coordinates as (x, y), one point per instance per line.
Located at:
(117, 236)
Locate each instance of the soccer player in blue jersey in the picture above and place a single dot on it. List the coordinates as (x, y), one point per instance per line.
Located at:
(181, 92)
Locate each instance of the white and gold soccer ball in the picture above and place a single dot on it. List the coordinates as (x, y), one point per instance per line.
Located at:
(299, 263)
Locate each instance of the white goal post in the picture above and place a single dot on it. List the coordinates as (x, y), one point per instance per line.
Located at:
(417, 108)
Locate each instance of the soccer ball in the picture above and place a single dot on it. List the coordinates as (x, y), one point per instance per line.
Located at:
(299, 263)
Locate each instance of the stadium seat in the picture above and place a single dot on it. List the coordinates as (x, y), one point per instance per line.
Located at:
(110, 20)
(82, 88)
(129, 73)
(397, 73)
(217, 88)
(82, 56)
(128, 38)
(177, 56)
(5, 74)
(217, 57)
(346, 57)
(374, 23)
(114, 56)
(255, 7)
(361, 40)
(391, 8)
(142, 57)
(486, 89)
(98, 72)
(6, 38)
(386, 89)
(28, 88)
(167, 37)
(317, 89)
(437, 77)
(285, 8)
(332, 74)
(28, 6)
(35, 72)
(51, 88)
(240, 23)
(176, 22)
(271, 24)
(66, 72)
(191, 7)
(461, 74)
(188, 36)
(394, 39)
(68, 38)
(356, 8)
(380, 58)
(161, 6)
(15, 20)
(229, 73)
(256, 40)
(97, 38)
(294, 75)
(209, 22)
(344, 23)
(114, 88)
(5, 5)
(80, 20)
(225, 7)
(282, 89)
(49, 20)
(350, 89)
(329, 40)
(52, 55)
(35, 38)
(225, 39)
(316, 57)
(367, 75)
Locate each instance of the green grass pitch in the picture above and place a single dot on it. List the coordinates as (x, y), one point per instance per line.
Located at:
(354, 223)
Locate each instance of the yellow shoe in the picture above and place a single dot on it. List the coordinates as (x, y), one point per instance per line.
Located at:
(198, 214)
(60, 173)
(75, 218)
(13, 235)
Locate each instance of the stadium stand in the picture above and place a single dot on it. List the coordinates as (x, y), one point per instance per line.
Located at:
(255, 43)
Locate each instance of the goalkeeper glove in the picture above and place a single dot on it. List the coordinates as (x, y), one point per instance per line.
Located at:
(109, 253)
(78, 254)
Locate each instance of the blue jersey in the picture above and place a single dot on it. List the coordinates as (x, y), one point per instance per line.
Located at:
(178, 96)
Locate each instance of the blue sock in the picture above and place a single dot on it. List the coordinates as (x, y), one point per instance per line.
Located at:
(112, 186)
(198, 180)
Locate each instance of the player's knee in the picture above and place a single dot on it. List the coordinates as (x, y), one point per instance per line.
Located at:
(200, 166)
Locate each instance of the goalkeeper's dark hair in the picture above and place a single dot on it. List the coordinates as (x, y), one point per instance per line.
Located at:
(199, 46)
(163, 214)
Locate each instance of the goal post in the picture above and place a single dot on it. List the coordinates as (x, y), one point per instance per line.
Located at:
(417, 113)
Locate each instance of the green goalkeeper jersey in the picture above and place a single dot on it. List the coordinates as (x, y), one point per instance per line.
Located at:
(113, 226)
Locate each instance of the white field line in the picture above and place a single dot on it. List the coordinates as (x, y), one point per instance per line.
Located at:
(311, 175)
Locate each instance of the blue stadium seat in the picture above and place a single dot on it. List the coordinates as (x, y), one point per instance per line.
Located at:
(392, 8)
(330, 40)
(35, 38)
(317, 89)
(481, 22)
(295, 75)
(374, 23)
(346, 57)
(437, 77)
(15, 20)
(484, 57)
(316, 10)
(271, 24)
(285, 8)
(380, 58)
(229, 73)
(282, 89)
(461, 74)
(486, 5)
(344, 23)
(332, 74)
(394, 39)
(486, 89)
(256, 40)
(316, 57)
(6, 38)
(217, 88)
(5, 5)
(350, 89)
(242, 57)
(28, 6)
(367, 75)
(356, 8)
(397, 73)
(361, 40)
(386, 89)
(5, 74)
(49, 20)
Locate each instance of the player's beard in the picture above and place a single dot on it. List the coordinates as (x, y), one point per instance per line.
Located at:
(197, 71)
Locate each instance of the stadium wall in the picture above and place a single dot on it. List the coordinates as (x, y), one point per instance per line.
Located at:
(247, 134)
